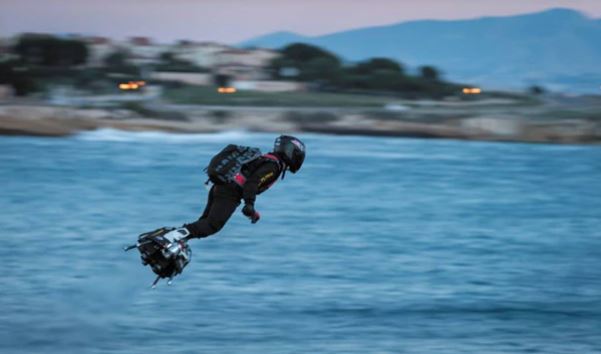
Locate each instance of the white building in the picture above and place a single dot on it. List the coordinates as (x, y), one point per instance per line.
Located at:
(143, 51)
(99, 48)
(200, 79)
(244, 64)
(202, 54)
(254, 57)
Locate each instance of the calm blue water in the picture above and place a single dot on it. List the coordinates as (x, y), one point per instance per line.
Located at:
(376, 246)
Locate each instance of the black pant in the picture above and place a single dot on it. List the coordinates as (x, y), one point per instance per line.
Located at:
(221, 204)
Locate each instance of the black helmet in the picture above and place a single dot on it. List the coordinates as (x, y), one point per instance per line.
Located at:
(291, 150)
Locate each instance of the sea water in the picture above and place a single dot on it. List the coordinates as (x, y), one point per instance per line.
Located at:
(378, 245)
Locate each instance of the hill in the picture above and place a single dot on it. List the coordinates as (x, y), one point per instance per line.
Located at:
(558, 48)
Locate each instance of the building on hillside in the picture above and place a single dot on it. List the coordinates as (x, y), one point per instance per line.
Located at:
(144, 51)
(98, 49)
(241, 64)
(263, 57)
(253, 57)
(202, 54)
(189, 78)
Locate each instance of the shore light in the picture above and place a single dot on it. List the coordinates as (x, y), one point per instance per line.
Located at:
(226, 90)
(132, 85)
(472, 90)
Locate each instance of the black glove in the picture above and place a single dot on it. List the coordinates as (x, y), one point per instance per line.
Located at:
(251, 213)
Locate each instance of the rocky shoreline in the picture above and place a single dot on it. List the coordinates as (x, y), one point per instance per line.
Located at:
(493, 122)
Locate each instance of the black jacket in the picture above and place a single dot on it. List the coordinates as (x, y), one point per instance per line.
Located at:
(260, 175)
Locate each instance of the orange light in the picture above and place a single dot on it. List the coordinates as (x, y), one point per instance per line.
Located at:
(472, 91)
(132, 85)
(226, 90)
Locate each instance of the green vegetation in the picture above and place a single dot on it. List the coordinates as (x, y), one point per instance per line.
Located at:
(44, 61)
(11, 73)
(536, 90)
(326, 72)
(168, 62)
(429, 73)
(309, 63)
(46, 50)
(116, 65)
(210, 96)
(40, 57)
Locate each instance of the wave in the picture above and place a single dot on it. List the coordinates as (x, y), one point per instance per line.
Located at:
(533, 310)
(380, 155)
(325, 146)
(115, 135)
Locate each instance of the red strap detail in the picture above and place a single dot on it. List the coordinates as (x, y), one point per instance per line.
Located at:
(239, 179)
(272, 157)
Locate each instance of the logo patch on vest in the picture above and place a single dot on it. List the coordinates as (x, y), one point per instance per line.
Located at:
(266, 177)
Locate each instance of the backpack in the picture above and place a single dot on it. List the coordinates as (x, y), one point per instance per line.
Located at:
(224, 166)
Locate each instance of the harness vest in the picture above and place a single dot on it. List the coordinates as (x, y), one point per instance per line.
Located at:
(240, 179)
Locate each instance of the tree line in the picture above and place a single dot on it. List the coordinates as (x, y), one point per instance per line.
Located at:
(46, 56)
(323, 70)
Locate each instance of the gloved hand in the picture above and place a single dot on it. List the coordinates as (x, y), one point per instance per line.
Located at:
(251, 213)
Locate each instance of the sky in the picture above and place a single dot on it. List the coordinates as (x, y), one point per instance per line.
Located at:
(232, 21)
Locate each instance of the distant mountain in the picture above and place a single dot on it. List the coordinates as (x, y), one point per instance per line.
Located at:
(558, 48)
